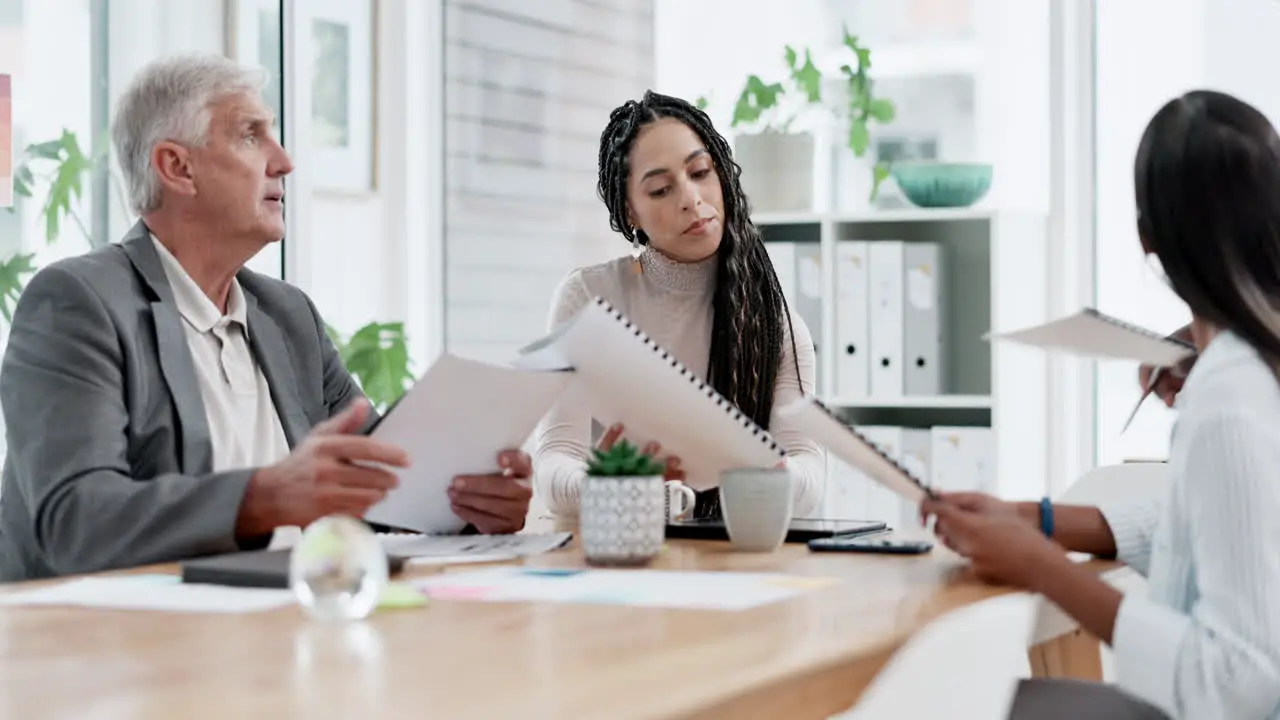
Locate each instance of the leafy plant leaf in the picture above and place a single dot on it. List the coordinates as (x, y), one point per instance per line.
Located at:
(879, 174)
(48, 150)
(23, 179)
(859, 136)
(378, 356)
(13, 277)
(882, 110)
(808, 78)
(755, 99)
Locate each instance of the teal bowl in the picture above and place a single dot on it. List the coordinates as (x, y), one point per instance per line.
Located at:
(943, 185)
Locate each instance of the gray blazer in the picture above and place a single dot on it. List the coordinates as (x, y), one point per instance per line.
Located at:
(109, 460)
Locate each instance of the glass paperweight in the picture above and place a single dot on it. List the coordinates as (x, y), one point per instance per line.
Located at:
(338, 569)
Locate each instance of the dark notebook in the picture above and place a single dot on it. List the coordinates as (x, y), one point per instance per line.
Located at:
(254, 569)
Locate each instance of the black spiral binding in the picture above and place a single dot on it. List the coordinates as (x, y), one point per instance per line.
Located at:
(878, 450)
(710, 392)
(1094, 312)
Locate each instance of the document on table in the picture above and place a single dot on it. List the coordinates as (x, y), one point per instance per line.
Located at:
(164, 593)
(1092, 333)
(446, 549)
(455, 421)
(727, 591)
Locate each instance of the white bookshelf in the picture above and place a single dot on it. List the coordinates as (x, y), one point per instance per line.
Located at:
(994, 269)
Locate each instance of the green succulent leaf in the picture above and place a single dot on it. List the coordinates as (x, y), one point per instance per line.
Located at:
(623, 460)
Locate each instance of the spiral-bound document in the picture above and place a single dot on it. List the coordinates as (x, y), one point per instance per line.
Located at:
(625, 377)
(1092, 333)
(821, 425)
(455, 421)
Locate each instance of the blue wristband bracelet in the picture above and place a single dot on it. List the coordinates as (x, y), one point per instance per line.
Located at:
(1046, 517)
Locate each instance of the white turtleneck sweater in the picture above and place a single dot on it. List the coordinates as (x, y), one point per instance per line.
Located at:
(671, 303)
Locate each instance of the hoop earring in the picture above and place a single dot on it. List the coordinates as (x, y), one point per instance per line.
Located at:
(636, 267)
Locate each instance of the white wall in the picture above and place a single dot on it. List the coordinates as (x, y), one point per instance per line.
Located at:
(528, 89)
(1226, 45)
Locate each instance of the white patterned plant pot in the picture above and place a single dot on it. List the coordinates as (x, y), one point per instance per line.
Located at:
(622, 519)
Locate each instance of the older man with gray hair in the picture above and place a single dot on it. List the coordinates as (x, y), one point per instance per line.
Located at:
(162, 401)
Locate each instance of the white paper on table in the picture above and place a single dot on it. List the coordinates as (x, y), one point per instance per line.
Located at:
(815, 421)
(164, 593)
(455, 421)
(452, 549)
(1095, 334)
(641, 588)
(624, 377)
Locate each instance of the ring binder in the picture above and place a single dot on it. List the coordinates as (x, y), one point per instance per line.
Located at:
(825, 426)
(1136, 329)
(713, 394)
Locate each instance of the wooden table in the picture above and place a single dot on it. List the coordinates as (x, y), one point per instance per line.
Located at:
(804, 658)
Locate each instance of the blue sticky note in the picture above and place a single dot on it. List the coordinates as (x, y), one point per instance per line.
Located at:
(551, 572)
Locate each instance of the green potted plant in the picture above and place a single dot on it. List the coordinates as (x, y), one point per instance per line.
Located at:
(378, 356)
(622, 515)
(777, 162)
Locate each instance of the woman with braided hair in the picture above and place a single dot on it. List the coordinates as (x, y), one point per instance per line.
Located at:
(699, 282)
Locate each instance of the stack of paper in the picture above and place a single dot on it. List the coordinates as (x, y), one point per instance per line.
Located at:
(445, 549)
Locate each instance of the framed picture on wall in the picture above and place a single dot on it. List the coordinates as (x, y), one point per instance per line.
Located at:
(254, 38)
(338, 64)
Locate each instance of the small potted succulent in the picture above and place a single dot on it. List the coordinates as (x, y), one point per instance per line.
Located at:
(622, 514)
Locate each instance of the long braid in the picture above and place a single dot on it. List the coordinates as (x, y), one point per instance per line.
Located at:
(748, 308)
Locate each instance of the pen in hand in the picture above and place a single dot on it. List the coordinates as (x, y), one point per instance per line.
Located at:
(1156, 376)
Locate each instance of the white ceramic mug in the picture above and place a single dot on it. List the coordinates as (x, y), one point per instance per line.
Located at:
(680, 500)
(757, 505)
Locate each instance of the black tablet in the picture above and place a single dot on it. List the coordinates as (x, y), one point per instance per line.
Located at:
(802, 530)
(252, 569)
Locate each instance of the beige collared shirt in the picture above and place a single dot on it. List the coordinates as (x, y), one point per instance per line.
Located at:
(244, 428)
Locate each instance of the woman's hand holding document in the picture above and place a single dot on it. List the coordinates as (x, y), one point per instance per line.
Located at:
(455, 424)
(628, 379)
(1095, 334)
(813, 418)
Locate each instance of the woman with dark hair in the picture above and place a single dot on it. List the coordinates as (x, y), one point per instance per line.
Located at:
(698, 282)
(1206, 642)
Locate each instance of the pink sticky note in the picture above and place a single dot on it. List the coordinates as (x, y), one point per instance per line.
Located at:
(6, 141)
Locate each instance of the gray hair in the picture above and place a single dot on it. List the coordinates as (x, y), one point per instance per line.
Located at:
(169, 99)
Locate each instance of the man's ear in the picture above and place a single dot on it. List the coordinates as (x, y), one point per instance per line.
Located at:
(173, 164)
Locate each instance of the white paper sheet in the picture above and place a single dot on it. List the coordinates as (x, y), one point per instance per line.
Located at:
(1094, 334)
(816, 423)
(455, 421)
(624, 377)
(452, 549)
(164, 593)
(641, 588)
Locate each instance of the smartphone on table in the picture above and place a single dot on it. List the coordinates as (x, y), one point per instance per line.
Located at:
(884, 544)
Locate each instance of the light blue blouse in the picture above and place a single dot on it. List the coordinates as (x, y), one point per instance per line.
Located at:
(1205, 642)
